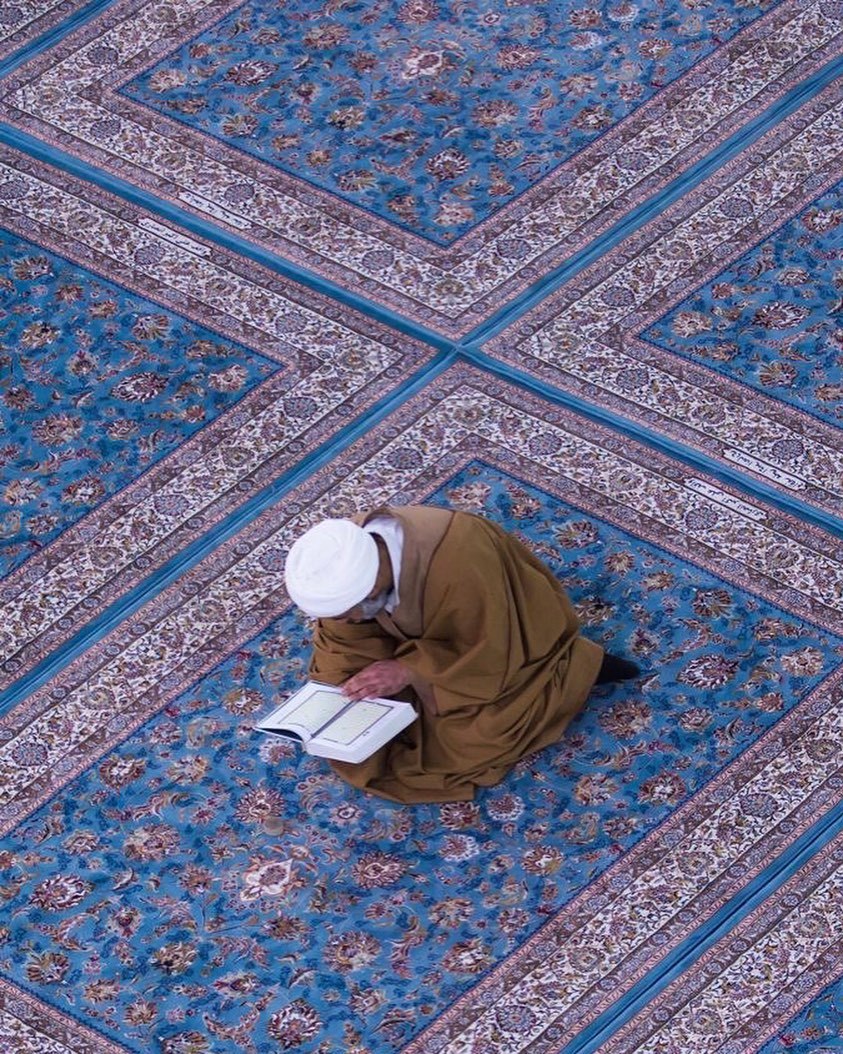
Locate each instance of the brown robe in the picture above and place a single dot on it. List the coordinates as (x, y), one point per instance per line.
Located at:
(489, 627)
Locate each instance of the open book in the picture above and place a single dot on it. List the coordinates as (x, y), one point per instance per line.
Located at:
(326, 724)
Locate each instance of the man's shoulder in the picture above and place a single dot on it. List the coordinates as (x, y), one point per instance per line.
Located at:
(473, 539)
(421, 515)
(441, 530)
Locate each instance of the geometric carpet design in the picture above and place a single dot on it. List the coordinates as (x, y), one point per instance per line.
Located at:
(574, 266)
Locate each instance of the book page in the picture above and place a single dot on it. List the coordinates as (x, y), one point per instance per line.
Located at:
(358, 719)
(316, 711)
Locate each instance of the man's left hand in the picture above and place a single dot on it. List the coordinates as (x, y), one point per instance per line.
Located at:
(384, 678)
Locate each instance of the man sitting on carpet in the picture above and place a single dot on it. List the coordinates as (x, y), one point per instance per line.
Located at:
(448, 607)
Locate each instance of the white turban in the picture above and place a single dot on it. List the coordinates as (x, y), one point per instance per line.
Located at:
(331, 568)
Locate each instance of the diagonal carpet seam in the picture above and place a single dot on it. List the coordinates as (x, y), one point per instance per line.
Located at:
(653, 438)
(709, 933)
(28, 144)
(195, 552)
(657, 204)
(639, 216)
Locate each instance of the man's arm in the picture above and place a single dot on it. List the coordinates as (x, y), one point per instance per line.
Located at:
(386, 678)
(342, 649)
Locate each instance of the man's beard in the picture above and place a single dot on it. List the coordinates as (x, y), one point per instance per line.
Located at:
(372, 605)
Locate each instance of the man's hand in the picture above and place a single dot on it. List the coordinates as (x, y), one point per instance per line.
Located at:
(383, 678)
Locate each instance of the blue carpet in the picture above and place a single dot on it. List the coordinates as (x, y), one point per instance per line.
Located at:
(571, 266)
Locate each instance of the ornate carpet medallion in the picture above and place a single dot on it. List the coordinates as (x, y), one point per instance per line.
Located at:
(517, 170)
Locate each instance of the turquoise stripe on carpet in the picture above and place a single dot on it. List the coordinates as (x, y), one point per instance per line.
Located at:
(104, 623)
(716, 928)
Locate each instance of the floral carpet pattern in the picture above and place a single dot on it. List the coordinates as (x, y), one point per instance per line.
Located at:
(96, 394)
(369, 125)
(573, 266)
(770, 320)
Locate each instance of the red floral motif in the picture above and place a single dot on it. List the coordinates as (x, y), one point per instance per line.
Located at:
(506, 807)
(152, 843)
(259, 804)
(426, 62)
(251, 72)
(821, 221)
(165, 80)
(543, 860)
(591, 790)
(468, 957)
(576, 534)
(287, 927)
(452, 911)
(377, 869)
(125, 921)
(780, 315)
(119, 771)
(495, 113)
(712, 603)
(592, 118)
(708, 671)
(102, 991)
(418, 12)
(141, 1012)
(174, 958)
(236, 985)
(81, 842)
(270, 878)
(84, 491)
(60, 892)
(139, 387)
(294, 1024)
(196, 880)
(185, 1043)
(151, 327)
(30, 267)
(57, 429)
(627, 719)
(457, 815)
(690, 323)
(697, 719)
(325, 37)
(517, 57)
(664, 789)
(351, 951)
(38, 334)
(459, 847)
(807, 662)
(231, 379)
(448, 164)
(47, 968)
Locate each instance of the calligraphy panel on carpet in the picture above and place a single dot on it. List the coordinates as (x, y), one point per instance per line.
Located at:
(301, 129)
(263, 901)
(156, 382)
(717, 324)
